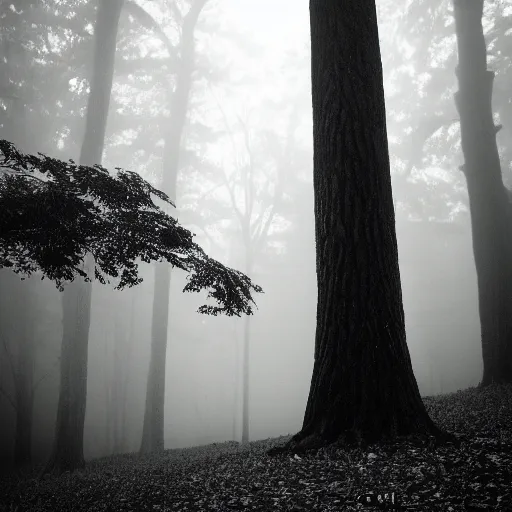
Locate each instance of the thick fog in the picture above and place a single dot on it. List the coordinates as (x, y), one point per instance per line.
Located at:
(246, 160)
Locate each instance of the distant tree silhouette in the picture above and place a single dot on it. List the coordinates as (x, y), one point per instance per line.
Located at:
(488, 198)
(153, 427)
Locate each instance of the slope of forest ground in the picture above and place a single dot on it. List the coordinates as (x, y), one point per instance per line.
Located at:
(477, 475)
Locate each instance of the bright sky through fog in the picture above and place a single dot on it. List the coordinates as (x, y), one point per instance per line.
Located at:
(280, 23)
(276, 26)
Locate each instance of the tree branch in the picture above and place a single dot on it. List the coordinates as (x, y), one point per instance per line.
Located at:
(9, 358)
(34, 387)
(147, 21)
(9, 399)
(239, 214)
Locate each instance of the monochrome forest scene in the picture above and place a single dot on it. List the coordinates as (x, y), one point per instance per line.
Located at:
(255, 255)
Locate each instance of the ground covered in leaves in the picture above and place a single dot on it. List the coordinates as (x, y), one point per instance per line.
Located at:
(475, 476)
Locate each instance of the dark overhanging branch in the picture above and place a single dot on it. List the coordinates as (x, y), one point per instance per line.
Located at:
(114, 218)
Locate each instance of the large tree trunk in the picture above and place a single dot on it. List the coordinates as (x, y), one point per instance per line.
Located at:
(488, 202)
(153, 428)
(67, 454)
(363, 388)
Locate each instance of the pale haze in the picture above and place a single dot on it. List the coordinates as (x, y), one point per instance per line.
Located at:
(249, 125)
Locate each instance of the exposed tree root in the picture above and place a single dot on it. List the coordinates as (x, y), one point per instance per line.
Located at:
(299, 444)
(355, 439)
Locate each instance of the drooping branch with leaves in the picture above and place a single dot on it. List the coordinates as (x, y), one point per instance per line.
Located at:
(54, 213)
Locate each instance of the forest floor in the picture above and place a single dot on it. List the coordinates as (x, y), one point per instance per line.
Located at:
(475, 476)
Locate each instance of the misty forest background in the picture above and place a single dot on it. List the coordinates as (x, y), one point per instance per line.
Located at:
(244, 187)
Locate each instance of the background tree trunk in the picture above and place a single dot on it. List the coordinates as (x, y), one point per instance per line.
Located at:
(24, 374)
(245, 397)
(488, 203)
(119, 371)
(109, 394)
(247, 339)
(153, 429)
(67, 454)
(236, 368)
(362, 388)
(124, 390)
(15, 128)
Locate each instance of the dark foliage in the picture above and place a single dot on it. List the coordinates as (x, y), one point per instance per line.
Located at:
(55, 213)
(473, 476)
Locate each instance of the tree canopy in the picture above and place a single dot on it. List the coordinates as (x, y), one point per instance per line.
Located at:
(54, 213)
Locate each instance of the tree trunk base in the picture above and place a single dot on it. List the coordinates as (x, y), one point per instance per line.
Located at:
(504, 380)
(355, 439)
(56, 467)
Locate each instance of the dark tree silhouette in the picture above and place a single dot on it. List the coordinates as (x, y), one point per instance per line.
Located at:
(114, 219)
(363, 388)
(488, 198)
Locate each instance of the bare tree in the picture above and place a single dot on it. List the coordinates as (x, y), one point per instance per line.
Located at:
(153, 429)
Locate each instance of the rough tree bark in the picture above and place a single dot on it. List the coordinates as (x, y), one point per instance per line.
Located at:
(153, 429)
(67, 453)
(488, 200)
(363, 389)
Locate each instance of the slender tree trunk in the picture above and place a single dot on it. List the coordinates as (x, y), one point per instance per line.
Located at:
(126, 377)
(488, 202)
(252, 246)
(236, 368)
(245, 405)
(247, 339)
(109, 402)
(24, 377)
(115, 372)
(119, 371)
(153, 428)
(363, 388)
(67, 454)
